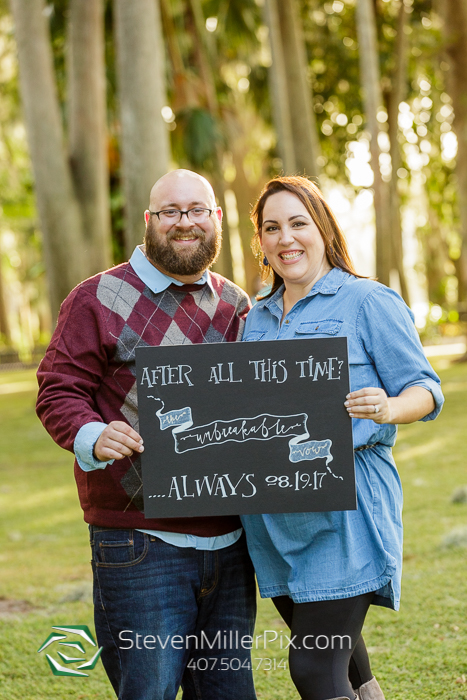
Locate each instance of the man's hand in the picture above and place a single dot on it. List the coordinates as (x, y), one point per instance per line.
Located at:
(117, 440)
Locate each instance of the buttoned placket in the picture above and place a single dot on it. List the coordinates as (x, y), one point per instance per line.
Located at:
(284, 328)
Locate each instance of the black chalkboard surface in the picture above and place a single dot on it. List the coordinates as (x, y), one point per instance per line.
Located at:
(254, 427)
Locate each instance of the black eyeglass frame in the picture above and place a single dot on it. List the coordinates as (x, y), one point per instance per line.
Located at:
(187, 213)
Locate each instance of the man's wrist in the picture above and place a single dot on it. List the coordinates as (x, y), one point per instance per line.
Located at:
(84, 444)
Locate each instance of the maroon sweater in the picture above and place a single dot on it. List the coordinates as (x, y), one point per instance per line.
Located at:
(88, 374)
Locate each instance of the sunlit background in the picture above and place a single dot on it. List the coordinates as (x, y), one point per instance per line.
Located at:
(219, 83)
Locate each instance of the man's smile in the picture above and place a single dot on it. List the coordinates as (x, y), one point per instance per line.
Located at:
(185, 237)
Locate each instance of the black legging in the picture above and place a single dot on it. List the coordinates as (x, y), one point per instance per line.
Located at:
(330, 657)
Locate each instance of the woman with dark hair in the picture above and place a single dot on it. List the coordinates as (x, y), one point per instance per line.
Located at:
(324, 570)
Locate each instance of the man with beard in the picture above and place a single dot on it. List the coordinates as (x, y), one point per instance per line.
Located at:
(167, 592)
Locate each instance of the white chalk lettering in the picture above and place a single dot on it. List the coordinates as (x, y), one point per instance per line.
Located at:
(220, 485)
(270, 370)
(247, 478)
(232, 487)
(328, 369)
(263, 427)
(166, 374)
(185, 494)
(217, 374)
(205, 482)
(210, 485)
(174, 487)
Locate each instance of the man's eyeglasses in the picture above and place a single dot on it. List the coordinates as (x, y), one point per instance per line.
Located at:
(197, 215)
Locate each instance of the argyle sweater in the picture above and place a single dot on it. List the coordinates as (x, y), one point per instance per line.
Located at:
(88, 374)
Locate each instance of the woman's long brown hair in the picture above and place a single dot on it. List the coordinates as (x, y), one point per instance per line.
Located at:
(337, 252)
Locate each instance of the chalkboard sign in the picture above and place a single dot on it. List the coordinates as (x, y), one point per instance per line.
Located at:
(254, 427)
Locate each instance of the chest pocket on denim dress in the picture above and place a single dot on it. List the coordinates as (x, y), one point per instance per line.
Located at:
(330, 326)
(254, 335)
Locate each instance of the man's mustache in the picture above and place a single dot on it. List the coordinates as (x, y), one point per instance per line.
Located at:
(170, 235)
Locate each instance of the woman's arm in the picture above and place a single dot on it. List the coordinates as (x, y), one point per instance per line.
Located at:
(413, 403)
(387, 334)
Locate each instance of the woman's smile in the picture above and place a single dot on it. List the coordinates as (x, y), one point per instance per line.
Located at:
(291, 256)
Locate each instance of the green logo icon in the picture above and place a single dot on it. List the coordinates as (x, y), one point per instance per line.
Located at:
(75, 656)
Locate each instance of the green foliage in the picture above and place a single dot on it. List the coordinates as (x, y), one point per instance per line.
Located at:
(200, 134)
(238, 21)
(330, 33)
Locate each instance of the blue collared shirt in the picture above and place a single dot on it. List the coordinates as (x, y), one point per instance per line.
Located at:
(154, 278)
(88, 435)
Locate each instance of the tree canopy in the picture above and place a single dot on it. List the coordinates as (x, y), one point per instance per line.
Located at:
(100, 98)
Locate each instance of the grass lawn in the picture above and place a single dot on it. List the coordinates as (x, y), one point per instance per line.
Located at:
(419, 653)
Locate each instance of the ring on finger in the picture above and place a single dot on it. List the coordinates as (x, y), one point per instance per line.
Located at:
(376, 409)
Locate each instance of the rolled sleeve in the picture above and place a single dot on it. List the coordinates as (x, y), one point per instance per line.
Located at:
(83, 447)
(435, 389)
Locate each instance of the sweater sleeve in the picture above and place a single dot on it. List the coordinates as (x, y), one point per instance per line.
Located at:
(73, 367)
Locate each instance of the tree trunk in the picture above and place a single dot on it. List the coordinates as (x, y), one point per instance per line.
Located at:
(185, 93)
(224, 265)
(436, 255)
(455, 15)
(281, 112)
(4, 324)
(245, 195)
(373, 101)
(302, 116)
(59, 213)
(87, 129)
(144, 135)
(395, 97)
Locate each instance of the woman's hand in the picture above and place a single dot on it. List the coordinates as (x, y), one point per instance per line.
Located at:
(370, 403)
(413, 403)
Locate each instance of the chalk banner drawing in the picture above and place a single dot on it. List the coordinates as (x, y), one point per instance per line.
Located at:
(257, 427)
(263, 427)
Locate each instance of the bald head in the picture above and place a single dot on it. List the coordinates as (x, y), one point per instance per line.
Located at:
(181, 189)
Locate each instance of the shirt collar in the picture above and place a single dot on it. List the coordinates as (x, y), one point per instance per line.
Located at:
(156, 280)
(328, 284)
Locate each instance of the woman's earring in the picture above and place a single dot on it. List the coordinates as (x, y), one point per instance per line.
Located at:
(265, 261)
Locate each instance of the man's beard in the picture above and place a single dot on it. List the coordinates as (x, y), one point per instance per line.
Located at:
(177, 261)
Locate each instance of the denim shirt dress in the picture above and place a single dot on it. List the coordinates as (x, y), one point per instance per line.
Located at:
(340, 554)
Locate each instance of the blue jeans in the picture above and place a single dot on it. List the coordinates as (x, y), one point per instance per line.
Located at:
(169, 616)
